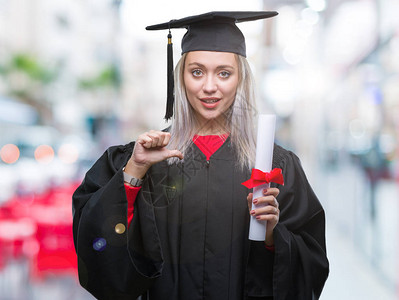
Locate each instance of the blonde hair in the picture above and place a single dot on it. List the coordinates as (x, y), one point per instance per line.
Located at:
(239, 117)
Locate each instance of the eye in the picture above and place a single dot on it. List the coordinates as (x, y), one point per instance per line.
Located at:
(196, 73)
(224, 74)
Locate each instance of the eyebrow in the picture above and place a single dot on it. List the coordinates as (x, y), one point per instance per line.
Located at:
(203, 66)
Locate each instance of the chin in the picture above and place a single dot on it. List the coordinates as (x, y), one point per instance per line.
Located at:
(210, 117)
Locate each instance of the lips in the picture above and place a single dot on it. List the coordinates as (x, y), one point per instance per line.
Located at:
(210, 103)
(210, 100)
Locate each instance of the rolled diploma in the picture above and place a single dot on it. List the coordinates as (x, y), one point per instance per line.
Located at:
(263, 162)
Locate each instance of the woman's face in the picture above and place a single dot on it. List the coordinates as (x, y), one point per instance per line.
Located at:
(211, 80)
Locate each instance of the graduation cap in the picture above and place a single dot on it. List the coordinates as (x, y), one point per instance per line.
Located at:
(213, 31)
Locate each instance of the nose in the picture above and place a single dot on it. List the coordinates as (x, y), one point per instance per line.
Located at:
(210, 85)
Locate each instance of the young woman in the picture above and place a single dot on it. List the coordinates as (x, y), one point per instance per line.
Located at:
(166, 217)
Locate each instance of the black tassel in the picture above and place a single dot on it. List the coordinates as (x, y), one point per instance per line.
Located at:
(171, 83)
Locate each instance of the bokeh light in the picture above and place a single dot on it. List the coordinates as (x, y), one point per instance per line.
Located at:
(9, 153)
(317, 5)
(99, 244)
(68, 153)
(310, 16)
(31, 247)
(44, 154)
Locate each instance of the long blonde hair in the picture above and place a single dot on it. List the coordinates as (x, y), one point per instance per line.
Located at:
(239, 117)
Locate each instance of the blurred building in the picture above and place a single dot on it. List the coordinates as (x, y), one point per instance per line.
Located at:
(59, 87)
(79, 42)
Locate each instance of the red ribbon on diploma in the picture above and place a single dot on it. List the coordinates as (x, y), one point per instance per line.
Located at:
(258, 177)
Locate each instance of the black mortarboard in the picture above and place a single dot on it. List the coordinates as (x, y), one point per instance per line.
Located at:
(213, 31)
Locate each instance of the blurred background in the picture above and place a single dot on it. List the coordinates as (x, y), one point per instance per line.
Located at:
(78, 76)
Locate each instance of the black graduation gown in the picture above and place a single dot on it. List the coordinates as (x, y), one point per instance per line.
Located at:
(189, 234)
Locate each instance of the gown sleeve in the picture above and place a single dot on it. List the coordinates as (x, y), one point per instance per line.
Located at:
(298, 267)
(301, 266)
(131, 194)
(113, 262)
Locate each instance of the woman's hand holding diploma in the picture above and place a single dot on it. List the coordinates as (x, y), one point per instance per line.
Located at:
(270, 212)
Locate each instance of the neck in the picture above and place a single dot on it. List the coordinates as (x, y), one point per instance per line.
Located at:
(212, 127)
